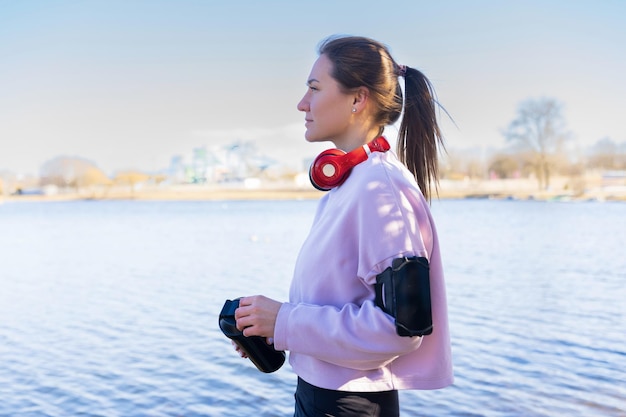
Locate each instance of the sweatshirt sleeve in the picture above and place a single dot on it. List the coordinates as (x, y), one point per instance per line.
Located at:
(358, 337)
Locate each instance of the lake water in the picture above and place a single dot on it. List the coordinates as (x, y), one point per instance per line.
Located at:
(110, 308)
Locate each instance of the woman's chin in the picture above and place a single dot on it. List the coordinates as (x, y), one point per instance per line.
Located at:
(312, 138)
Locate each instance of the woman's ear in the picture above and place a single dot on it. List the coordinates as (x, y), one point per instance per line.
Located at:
(361, 96)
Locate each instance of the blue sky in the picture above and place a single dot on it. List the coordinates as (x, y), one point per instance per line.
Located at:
(128, 84)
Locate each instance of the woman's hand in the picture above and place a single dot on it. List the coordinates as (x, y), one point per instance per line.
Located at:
(256, 316)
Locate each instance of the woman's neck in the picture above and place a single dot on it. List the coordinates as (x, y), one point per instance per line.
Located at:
(352, 142)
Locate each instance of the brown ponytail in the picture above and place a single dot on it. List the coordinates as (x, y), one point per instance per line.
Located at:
(419, 137)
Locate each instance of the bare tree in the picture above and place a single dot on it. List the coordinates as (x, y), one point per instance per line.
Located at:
(75, 172)
(503, 165)
(463, 163)
(540, 129)
(606, 154)
(131, 178)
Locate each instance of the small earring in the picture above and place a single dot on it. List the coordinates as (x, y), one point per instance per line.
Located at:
(353, 109)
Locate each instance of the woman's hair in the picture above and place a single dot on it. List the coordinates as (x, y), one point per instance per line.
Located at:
(363, 62)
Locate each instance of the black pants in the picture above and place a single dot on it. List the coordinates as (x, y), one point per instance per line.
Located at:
(312, 401)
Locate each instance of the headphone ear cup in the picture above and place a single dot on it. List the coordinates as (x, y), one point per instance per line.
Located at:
(328, 170)
(331, 168)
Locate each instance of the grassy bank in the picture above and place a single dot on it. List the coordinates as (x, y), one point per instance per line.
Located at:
(447, 190)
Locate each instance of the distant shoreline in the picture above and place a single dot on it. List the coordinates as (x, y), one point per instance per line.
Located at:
(205, 193)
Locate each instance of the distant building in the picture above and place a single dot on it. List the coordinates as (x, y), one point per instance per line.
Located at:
(228, 163)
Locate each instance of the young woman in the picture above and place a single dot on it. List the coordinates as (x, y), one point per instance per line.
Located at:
(344, 344)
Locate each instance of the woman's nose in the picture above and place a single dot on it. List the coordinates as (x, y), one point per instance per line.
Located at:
(303, 104)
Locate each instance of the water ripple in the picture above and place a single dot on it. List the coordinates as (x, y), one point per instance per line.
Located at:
(118, 317)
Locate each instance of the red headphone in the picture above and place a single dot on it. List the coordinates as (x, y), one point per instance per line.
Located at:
(332, 167)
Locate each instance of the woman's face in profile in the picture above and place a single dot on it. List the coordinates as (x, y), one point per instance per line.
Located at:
(328, 110)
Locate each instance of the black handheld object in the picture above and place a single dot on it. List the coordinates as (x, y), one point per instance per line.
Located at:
(403, 291)
(263, 356)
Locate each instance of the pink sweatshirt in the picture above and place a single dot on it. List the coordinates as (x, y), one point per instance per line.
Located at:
(336, 337)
